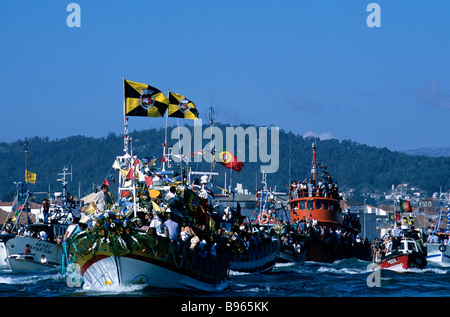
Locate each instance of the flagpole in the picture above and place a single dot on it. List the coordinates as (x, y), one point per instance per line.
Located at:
(125, 122)
(165, 137)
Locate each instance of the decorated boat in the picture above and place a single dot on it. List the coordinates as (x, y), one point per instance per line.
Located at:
(115, 245)
(316, 215)
(408, 255)
(115, 248)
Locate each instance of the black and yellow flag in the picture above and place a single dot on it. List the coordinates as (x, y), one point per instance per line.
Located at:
(144, 100)
(30, 177)
(181, 107)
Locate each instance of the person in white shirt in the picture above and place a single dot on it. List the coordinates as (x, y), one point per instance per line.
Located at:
(44, 235)
(71, 228)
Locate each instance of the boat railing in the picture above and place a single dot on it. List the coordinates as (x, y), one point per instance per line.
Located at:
(296, 193)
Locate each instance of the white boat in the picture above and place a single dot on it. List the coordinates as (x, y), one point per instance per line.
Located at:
(28, 262)
(438, 252)
(51, 250)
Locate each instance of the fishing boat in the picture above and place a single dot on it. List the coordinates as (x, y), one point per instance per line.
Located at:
(258, 242)
(115, 249)
(438, 250)
(261, 259)
(331, 234)
(44, 236)
(28, 262)
(408, 255)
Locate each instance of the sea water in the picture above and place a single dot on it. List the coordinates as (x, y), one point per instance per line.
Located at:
(345, 278)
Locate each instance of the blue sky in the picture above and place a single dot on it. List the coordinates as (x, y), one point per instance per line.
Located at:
(306, 66)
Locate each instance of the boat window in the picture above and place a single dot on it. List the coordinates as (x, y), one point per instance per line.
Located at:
(318, 204)
(325, 205)
(301, 205)
(388, 247)
(411, 246)
(29, 258)
(401, 246)
(310, 205)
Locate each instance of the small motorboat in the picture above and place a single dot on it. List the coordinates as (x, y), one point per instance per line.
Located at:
(408, 255)
(27, 262)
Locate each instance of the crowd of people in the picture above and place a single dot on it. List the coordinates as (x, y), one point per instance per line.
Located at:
(306, 230)
(204, 238)
(307, 188)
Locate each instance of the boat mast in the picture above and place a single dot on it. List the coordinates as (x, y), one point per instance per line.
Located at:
(314, 165)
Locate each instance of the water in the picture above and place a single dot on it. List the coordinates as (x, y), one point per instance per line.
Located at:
(345, 278)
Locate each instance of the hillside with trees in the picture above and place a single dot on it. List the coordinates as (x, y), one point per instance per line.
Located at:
(352, 165)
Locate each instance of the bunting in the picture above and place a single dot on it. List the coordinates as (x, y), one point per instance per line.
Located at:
(143, 100)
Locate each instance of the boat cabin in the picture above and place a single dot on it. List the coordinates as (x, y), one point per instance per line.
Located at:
(405, 246)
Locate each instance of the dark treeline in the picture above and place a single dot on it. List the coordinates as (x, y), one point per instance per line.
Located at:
(353, 165)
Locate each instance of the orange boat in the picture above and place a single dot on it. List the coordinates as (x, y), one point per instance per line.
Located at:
(333, 233)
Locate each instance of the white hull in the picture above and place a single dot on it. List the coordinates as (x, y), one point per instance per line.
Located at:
(125, 270)
(17, 264)
(435, 255)
(52, 251)
(3, 255)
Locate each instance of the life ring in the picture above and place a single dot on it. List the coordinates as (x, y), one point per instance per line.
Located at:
(265, 217)
(442, 248)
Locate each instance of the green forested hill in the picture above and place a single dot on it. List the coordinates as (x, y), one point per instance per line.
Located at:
(353, 165)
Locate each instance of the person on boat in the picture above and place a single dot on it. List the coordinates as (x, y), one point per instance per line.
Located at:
(433, 238)
(186, 232)
(45, 209)
(101, 199)
(157, 224)
(27, 249)
(43, 234)
(71, 229)
(171, 228)
(43, 259)
(396, 236)
(196, 185)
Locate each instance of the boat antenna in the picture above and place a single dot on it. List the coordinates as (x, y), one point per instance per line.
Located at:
(314, 164)
(212, 115)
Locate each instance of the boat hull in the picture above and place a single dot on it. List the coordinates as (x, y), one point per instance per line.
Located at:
(324, 251)
(23, 265)
(261, 260)
(129, 269)
(162, 265)
(52, 251)
(289, 255)
(403, 260)
(438, 253)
